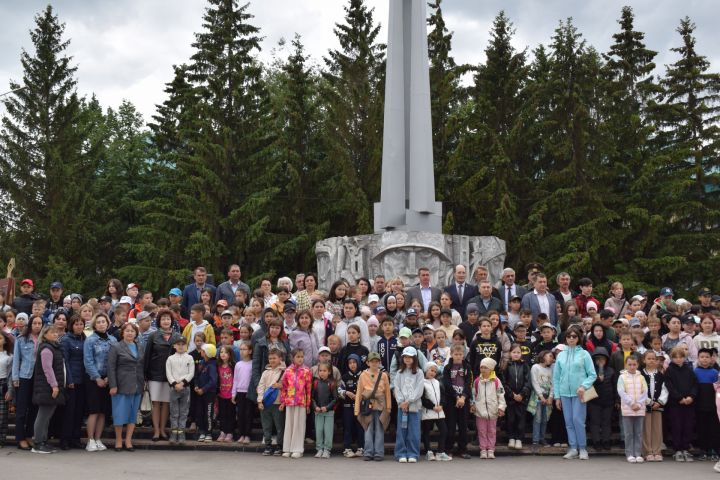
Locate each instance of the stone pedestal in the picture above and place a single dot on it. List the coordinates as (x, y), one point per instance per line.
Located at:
(400, 253)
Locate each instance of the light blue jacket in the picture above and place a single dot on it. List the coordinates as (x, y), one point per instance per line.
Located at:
(573, 368)
(95, 355)
(23, 365)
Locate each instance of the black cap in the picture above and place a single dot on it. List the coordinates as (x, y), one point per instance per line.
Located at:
(704, 291)
(105, 299)
(289, 307)
(417, 330)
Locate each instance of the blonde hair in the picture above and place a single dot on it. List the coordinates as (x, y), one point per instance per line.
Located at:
(99, 315)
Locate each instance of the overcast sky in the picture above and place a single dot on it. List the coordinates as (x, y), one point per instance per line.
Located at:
(125, 49)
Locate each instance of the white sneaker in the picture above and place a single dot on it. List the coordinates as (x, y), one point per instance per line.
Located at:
(273, 440)
(326, 454)
(359, 452)
(491, 455)
(100, 445)
(412, 460)
(639, 460)
(717, 467)
(632, 460)
(511, 443)
(688, 456)
(443, 457)
(430, 456)
(296, 455)
(483, 454)
(402, 460)
(584, 455)
(518, 444)
(286, 454)
(571, 454)
(91, 446)
(319, 454)
(348, 453)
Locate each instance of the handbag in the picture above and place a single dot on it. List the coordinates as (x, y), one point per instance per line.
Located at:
(145, 403)
(271, 394)
(590, 394)
(366, 403)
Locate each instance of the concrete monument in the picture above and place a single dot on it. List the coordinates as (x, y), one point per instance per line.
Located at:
(408, 220)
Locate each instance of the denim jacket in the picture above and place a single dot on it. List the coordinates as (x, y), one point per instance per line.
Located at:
(71, 347)
(23, 364)
(95, 355)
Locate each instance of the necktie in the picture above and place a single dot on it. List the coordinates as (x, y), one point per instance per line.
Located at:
(460, 291)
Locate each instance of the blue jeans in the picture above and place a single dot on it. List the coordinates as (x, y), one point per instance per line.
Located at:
(574, 412)
(539, 423)
(375, 437)
(407, 440)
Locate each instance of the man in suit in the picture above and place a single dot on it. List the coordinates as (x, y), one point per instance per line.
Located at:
(423, 291)
(485, 300)
(564, 293)
(460, 291)
(540, 300)
(509, 288)
(226, 290)
(482, 273)
(191, 294)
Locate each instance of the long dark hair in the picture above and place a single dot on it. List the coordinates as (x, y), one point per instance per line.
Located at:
(119, 290)
(354, 303)
(28, 327)
(413, 367)
(9, 342)
(331, 295)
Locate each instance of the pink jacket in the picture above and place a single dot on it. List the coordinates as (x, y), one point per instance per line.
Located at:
(296, 383)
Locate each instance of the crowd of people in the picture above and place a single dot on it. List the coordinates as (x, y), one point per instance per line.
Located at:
(365, 357)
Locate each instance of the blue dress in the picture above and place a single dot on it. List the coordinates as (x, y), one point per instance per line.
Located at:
(125, 407)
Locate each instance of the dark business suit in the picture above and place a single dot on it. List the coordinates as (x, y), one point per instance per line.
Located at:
(493, 305)
(414, 292)
(191, 296)
(530, 302)
(505, 294)
(460, 304)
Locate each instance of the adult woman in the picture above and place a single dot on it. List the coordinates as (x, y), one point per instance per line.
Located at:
(396, 285)
(616, 300)
(274, 338)
(266, 289)
(60, 320)
(303, 296)
(574, 373)
(126, 379)
(675, 336)
(23, 370)
(304, 338)
(157, 350)
(378, 418)
(114, 290)
(570, 310)
(322, 323)
(71, 346)
(351, 315)
(597, 339)
(95, 354)
(48, 385)
(338, 292)
(87, 312)
(363, 286)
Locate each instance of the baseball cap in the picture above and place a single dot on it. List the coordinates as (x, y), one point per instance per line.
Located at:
(409, 352)
(105, 299)
(324, 349)
(639, 298)
(666, 292)
(210, 350)
(635, 322)
(417, 330)
(54, 285)
(704, 291)
(125, 299)
(411, 312)
(27, 281)
(405, 332)
(174, 292)
(547, 325)
(428, 326)
(373, 298)
(141, 316)
(371, 356)
(472, 308)
(226, 312)
(379, 309)
(289, 307)
(132, 285)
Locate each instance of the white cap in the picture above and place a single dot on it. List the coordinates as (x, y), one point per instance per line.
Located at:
(125, 299)
(373, 298)
(324, 349)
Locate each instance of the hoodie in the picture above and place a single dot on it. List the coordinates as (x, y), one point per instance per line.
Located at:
(681, 382)
(207, 378)
(192, 328)
(606, 382)
(484, 348)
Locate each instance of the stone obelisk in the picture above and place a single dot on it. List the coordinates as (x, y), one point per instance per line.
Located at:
(407, 197)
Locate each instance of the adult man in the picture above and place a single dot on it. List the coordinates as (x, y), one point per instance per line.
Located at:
(659, 307)
(56, 300)
(540, 300)
(460, 291)
(705, 297)
(423, 291)
(533, 268)
(24, 302)
(564, 293)
(378, 287)
(289, 317)
(482, 273)
(485, 300)
(509, 288)
(226, 290)
(191, 293)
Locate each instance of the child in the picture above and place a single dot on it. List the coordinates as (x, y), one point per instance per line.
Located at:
(655, 343)
(373, 387)
(353, 346)
(708, 337)
(270, 414)
(198, 324)
(408, 387)
(334, 344)
(226, 409)
(488, 403)
(241, 382)
(485, 345)
(633, 392)
(432, 413)
(324, 397)
(6, 386)
(440, 354)
(516, 379)
(226, 340)
(324, 355)
(206, 382)
(373, 327)
(541, 400)
(600, 409)
(457, 380)
(657, 398)
(180, 370)
(295, 401)
(681, 383)
(446, 323)
(387, 344)
(625, 348)
(708, 427)
(347, 391)
(520, 334)
(545, 341)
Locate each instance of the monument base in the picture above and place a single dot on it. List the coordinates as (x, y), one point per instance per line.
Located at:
(401, 253)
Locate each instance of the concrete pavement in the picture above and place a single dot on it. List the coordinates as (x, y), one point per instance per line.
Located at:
(140, 465)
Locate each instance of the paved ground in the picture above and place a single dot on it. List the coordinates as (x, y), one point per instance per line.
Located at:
(205, 465)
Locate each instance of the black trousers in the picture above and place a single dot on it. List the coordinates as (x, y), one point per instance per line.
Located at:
(708, 430)
(457, 419)
(226, 415)
(204, 413)
(25, 411)
(245, 410)
(556, 425)
(600, 419)
(74, 411)
(515, 423)
(427, 426)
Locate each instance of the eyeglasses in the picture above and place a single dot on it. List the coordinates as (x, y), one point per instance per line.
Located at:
(572, 335)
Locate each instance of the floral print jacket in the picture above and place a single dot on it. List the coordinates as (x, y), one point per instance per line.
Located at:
(296, 383)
